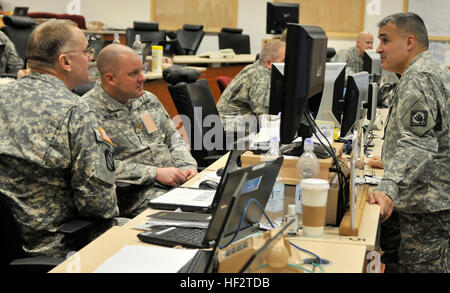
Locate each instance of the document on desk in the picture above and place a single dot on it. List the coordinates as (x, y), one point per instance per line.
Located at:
(146, 259)
(186, 196)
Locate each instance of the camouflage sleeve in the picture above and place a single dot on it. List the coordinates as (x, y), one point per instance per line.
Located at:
(134, 173)
(416, 115)
(259, 94)
(13, 62)
(93, 166)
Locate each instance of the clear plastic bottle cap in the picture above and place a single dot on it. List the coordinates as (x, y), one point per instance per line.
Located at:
(309, 145)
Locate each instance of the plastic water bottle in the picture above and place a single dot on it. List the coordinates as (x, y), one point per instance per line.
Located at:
(307, 167)
(292, 215)
(116, 39)
(139, 47)
(275, 205)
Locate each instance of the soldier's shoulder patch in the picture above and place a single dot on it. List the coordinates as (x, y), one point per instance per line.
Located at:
(418, 118)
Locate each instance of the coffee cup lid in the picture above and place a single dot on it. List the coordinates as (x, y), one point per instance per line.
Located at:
(314, 183)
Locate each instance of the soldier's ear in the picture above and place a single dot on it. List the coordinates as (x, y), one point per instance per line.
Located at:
(110, 78)
(410, 42)
(65, 62)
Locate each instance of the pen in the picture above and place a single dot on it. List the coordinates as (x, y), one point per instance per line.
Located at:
(146, 68)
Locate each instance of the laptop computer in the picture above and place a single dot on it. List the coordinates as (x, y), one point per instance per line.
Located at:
(251, 182)
(195, 199)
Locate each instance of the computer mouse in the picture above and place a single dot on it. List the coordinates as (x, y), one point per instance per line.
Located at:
(208, 184)
(219, 172)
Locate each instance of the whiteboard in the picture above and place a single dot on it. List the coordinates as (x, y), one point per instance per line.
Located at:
(435, 14)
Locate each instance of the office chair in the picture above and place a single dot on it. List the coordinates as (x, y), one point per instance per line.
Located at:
(223, 82)
(78, 19)
(12, 256)
(331, 52)
(188, 98)
(149, 32)
(18, 30)
(190, 38)
(84, 88)
(234, 39)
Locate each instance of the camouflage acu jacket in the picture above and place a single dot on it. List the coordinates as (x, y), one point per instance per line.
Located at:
(416, 147)
(53, 161)
(144, 136)
(10, 62)
(248, 92)
(353, 60)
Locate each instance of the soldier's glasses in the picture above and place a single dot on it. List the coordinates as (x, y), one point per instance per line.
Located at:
(89, 51)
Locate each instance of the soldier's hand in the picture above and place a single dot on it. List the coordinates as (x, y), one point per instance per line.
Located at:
(189, 173)
(170, 176)
(375, 162)
(384, 201)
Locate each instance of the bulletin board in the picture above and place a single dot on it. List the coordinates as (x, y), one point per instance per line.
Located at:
(341, 19)
(435, 14)
(212, 14)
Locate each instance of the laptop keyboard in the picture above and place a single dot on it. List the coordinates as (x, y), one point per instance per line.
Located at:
(184, 235)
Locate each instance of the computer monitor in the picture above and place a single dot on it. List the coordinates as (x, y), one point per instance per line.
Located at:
(279, 15)
(355, 97)
(171, 48)
(277, 90)
(332, 97)
(371, 105)
(304, 76)
(372, 64)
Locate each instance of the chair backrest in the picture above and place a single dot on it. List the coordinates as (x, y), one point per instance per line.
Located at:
(84, 88)
(18, 30)
(223, 81)
(149, 32)
(190, 38)
(188, 99)
(234, 39)
(78, 19)
(10, 240)
(42, 15)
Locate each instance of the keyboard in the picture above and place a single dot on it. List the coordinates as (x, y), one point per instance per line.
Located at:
(187, 237)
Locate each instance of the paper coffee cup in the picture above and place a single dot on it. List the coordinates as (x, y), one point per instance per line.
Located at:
(314, 206)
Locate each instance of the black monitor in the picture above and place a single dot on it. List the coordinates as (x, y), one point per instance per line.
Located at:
(279, 15)
(277, 90)
(171, 48)
(304, 76)
(20, 11)
(329, 105)
(355, 97)
(372, 64)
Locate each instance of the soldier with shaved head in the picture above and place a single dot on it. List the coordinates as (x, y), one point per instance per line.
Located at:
(150, 154)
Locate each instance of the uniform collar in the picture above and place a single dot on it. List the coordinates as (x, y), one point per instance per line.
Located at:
(103, 99)
(48, 78)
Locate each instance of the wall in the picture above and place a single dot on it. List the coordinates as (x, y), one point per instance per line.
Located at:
(251, 17)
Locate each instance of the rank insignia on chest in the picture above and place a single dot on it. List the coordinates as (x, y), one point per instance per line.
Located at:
(419, 118)
(105, 136)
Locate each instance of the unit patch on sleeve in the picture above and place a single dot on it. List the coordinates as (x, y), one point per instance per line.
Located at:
(419, 118)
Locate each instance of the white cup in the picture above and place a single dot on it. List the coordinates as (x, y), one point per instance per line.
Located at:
(157, 56)
(314, 206)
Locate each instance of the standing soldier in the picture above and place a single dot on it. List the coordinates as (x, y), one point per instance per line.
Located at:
(416, 182)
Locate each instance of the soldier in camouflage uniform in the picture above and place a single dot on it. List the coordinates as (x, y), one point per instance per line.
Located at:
(249, 91)
(353, 56)
(149, 151)
(10, 62)
(416, 182)
(55, 160)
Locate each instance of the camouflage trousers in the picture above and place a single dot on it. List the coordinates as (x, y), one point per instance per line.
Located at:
(423, 242)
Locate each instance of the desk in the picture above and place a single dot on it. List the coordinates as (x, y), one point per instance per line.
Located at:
(193, 59)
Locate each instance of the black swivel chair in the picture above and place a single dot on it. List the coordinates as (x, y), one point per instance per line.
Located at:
(187, 94)
(18, 30)
(190, 38)
(149, 32)
(12, 256)
(234, 39)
